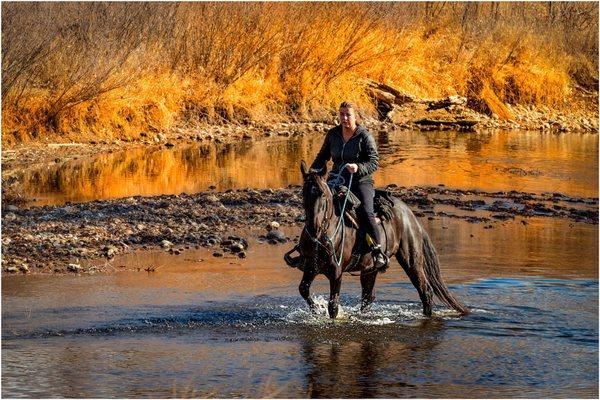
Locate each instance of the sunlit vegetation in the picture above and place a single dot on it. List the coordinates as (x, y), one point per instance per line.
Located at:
(86, 70)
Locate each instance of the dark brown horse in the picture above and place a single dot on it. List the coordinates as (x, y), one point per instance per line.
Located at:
(331, 254)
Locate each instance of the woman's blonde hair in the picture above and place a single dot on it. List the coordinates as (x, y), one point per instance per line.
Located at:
(347, 104)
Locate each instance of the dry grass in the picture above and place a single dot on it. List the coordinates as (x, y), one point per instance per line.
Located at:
(85, 70)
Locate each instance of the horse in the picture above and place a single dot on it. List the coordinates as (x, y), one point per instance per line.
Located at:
(324, 252)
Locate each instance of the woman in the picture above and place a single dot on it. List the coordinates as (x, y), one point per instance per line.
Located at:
(352, 144)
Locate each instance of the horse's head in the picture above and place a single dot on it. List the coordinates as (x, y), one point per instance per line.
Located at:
(318, 200)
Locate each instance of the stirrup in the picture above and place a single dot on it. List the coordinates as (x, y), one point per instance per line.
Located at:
(294, 262)
(379, 266)
(386, 263)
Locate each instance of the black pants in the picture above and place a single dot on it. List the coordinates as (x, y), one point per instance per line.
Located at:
(365, 192)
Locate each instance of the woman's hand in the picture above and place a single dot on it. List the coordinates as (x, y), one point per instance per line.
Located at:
(352, 168)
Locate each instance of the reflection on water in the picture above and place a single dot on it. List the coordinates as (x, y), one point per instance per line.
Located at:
(492, 161)
(520, 341)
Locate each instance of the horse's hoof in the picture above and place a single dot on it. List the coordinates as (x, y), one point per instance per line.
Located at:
(333, 310)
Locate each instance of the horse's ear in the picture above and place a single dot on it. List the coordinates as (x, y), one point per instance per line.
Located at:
(303, 168)
(323, 171)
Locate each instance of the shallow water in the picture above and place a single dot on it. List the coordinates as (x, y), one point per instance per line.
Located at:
(490, 161)
(225, 327)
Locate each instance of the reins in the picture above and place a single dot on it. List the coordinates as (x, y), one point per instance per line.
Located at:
(336, 181)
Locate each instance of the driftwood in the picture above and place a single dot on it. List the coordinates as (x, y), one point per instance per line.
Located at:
(389, 94)
(461, 124)
(446, 102)
(385, 97)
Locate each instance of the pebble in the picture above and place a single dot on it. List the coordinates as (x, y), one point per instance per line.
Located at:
(273, 225)
(236, 247)
(74, 267)
(9, 216)
(110, 251)
(166, 243)
(276, 235)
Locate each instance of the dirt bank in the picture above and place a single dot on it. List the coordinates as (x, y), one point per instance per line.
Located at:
(71, 238)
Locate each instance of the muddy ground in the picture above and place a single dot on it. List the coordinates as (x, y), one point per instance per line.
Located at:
(83, 238)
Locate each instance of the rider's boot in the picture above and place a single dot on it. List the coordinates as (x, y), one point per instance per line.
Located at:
(380, 260)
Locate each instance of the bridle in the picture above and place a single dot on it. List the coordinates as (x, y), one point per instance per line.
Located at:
(320, 238)
(322, 230)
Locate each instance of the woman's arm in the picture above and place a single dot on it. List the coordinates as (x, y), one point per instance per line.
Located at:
(371, 156)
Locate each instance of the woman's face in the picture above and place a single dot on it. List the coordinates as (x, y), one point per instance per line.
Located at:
(348, 118)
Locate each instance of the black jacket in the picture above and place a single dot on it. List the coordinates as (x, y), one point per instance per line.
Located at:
(360, 149)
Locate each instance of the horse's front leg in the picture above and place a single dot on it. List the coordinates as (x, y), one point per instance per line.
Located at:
(335, 283)
(307, 279)
(367, 281)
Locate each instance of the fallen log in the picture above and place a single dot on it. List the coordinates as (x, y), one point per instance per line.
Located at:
(462, 123)
(446, 102)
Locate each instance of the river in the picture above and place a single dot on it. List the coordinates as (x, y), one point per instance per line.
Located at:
(226, 327)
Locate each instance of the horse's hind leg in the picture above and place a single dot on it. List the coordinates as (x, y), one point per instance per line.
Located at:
(417, 276)
(367, 281)
(304, 288)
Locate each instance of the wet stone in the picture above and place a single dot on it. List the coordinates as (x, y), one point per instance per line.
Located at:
(276, 235)
(236, 247)
(74, 267)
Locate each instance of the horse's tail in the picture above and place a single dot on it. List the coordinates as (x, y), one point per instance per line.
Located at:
(434, 277)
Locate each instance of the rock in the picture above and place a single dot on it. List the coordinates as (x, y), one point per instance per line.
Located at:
(277, 235)
(217, 254)
(12, 269)
(9, 217)
(166, 243)
(160, 137)
(110, 251)
(236, 247)
(74, 267)
(11, 207)
(242, 254)
(273, 225)
(24, 268)
(211, 198)
(169, 144)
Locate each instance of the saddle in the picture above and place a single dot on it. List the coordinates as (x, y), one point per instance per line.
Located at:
(382, 203)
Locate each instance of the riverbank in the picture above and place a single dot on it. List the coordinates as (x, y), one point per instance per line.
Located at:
(83, 238)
